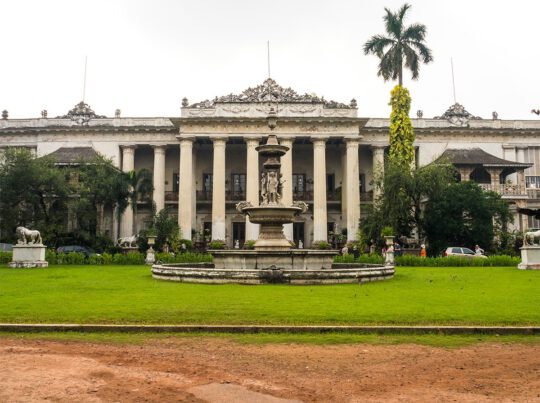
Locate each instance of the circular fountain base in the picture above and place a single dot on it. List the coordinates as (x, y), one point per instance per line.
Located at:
(297, 266)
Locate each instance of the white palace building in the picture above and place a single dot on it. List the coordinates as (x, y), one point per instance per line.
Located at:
(204, 162)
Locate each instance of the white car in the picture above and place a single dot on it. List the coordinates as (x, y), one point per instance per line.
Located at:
(462, 252)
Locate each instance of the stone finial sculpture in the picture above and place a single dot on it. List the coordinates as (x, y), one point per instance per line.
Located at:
(27, 236)
(44, 113)
(495, 115)
(5, 114)
(419, 113)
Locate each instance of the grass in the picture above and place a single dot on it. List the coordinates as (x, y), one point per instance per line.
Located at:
(128, 294)
(434, 340)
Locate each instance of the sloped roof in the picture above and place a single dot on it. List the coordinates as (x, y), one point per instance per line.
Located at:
(73, 155)
(477, 156)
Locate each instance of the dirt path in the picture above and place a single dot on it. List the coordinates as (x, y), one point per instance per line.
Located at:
(218, 370)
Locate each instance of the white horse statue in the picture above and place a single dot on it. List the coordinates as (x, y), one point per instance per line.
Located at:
(128, 241)
(27, 236)
(531, 238)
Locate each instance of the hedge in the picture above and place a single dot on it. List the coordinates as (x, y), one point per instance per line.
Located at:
(450, 261)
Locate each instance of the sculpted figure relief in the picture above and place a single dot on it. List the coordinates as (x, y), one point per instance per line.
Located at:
(27, 236)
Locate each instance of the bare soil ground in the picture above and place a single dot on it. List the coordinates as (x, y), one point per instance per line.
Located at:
(219, 370)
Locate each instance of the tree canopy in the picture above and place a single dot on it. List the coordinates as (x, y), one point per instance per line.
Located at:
(402, 45)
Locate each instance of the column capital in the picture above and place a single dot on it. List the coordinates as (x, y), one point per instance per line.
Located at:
(252, 141)
(159, 148)
(522, 147)
(219, 140)
(378, 146)
(286, 141)
(318, 140)
(128, 147)
(182, 138)
(352, 141)
(509, 146)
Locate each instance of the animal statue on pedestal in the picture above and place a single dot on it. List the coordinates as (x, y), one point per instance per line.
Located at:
(128, 241)
(27, 236)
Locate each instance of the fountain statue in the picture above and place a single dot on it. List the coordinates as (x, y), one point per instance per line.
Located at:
(271, 214)
(273, 259)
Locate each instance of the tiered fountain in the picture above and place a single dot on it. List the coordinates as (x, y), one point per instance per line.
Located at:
(273, 260)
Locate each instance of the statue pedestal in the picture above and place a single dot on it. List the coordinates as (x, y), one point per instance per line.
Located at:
(29, 256)
(530, 257)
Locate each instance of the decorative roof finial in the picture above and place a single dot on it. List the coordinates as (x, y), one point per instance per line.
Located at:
(44, 113)
(5, 114)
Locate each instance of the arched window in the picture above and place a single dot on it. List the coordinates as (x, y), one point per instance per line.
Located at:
(480, 175)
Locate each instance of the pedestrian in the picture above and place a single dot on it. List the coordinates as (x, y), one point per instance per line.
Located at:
(478, 250)
(356, 252)
(397, 249)
(423, 250)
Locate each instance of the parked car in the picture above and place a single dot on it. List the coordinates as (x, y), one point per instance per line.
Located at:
(86, 251)
(461, 252)
(6, 247)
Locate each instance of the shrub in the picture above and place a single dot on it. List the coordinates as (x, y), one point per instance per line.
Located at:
(50, 256)
(387, 231)
(188, 257)
(132, 257)
(249, 244)
(216, 244)
(188, 243)
(321, 245)
(364, 258)
(5, 257)
(455, 261)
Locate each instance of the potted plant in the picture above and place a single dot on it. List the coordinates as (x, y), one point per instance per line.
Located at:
(387, 233)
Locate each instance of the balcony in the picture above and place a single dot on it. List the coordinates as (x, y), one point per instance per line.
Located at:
(507, 190)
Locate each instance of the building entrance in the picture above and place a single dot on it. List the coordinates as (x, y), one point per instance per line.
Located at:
(239, 232)
(298, 233)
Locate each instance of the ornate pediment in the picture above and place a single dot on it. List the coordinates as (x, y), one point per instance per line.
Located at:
(457, 115)
(271, 92)
(81, 114)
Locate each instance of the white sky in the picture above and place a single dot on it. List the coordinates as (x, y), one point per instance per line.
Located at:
(145, 55)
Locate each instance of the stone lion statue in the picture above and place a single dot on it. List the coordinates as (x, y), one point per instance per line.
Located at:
(27, 236)
(531, 238)
(128, 241)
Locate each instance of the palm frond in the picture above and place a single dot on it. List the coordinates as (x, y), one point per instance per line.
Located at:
(415, 32)
(411, 61)
(424, 51)
(392, 24)
(376, 45)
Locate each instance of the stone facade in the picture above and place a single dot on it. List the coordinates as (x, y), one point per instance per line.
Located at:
(204, 161)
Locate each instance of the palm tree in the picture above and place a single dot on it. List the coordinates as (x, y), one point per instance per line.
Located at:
(403, 44)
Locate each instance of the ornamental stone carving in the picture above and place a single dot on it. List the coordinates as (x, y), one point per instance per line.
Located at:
(457, 115)
(270, 92)
(81, 114)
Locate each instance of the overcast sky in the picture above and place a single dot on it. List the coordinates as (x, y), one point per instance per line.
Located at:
(144, 56)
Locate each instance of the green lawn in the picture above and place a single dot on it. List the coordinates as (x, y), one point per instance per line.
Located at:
(128, 294)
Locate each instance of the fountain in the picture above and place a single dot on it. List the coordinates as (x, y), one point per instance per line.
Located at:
(273, 259)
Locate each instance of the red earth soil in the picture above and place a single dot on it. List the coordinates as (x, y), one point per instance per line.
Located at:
(219, 370)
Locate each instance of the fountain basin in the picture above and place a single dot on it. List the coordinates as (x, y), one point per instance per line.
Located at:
(207, 273)
(271, 219)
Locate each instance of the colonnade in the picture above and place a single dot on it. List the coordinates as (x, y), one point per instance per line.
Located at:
(186, 193)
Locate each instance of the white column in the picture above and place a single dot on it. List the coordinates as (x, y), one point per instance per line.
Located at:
(520, 176)
(252, 183)
(344, 186)
(353, 188)
(378, 169)
(128, 164)
(286, 171)
(218, 190)
(185, 191)
(159, 177)
(320, 230)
